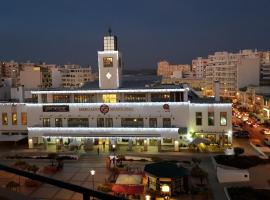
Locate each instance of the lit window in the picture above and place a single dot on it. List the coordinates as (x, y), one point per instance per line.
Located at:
(58, 122)
(4, 119)
(14, 118)
(109, 98)
(223, 119)
(211, 120)
(24, 118)
(108, 62)
(46, 122)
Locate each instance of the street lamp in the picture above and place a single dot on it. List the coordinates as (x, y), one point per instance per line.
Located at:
(92, 172)
(114, 159)
(147, 197)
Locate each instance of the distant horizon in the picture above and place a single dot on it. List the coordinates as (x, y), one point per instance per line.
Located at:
(125, 68)
(67, 31)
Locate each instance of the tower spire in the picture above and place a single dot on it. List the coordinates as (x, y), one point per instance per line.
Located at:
(110, 31)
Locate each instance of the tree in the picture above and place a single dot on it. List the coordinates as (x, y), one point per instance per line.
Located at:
(238, 151)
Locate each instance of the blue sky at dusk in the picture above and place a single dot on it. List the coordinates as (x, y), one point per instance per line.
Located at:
(62, 31)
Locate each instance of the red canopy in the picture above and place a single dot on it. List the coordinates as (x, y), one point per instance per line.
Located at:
(128, 189)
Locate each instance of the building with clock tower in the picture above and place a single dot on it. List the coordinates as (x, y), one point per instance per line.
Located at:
(110, 63)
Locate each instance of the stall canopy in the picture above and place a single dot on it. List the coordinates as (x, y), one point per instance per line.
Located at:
(130, 184)
(166, 169)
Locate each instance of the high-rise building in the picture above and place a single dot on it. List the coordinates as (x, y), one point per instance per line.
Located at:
(232, 70)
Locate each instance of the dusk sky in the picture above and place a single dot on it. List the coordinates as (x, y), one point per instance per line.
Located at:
(62, 31)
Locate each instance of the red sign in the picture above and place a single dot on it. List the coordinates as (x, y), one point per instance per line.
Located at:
(104, 109)
(166, 107)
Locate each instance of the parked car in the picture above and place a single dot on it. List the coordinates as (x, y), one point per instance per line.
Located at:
(241, 134)
(266, 131)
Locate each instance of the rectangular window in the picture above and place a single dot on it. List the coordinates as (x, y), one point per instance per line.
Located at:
(132, 122)
(78, 122)
(24, 118)
(14, 119)
(58, 122)
(100, 122)
(211, 121)
(82, 98)
(152, 122)
(167, 122)
(109, 98)
(135, 98)
(4, 119)
(107, 62)
(46, 122)
(223, 118)
(160, 97)
(198, 118)
(61, 99)
(108, 122)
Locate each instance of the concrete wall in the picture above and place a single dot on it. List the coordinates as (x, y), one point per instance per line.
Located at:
(248, 72)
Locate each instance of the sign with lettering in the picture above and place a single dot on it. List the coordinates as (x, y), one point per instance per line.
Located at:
(121, 109)
(56, 108)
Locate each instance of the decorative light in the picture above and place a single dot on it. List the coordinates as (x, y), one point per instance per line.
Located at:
(92, 172)
(165, 188)
(147, 197)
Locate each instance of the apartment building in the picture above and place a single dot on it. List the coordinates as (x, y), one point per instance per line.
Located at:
(233, 71)
(198, 67)
(265, 69)
(75, 76)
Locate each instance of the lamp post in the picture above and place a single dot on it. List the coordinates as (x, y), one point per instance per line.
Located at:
(114, 159)
(147, 197)
(92, 172)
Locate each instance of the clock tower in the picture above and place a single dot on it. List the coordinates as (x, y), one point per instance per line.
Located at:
(110, 63)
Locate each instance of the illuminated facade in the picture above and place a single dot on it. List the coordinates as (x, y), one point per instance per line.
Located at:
(131, 113)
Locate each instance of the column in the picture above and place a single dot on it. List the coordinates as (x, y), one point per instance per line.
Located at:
(45, 143)
(176, 145)
(30, 143)
(145, 145)
(130, 145)
(159, 145)
(39, 98)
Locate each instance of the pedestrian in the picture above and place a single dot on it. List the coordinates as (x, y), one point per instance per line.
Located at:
(98, 151)
(103, 143)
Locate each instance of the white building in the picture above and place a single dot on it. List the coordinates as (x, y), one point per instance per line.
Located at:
(129, 113)
(233, 71)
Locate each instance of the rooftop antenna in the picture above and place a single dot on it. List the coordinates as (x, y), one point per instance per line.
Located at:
(110, 31)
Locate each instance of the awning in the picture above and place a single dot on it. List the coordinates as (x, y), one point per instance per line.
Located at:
(200, 140)
(11, 138)
(128, 189)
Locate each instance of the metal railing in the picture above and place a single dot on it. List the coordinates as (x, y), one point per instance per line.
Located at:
(86, 192)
